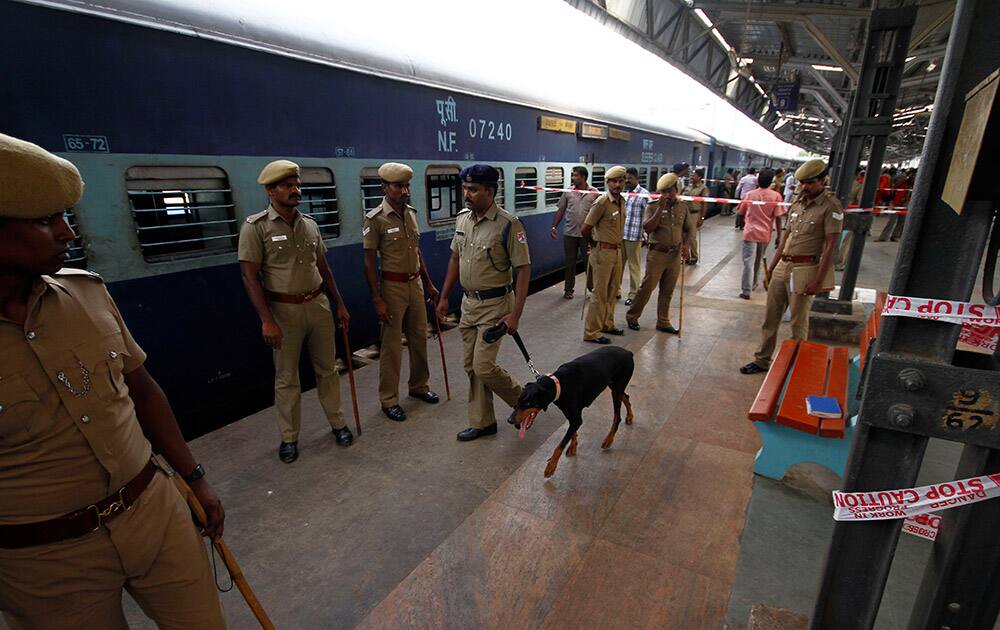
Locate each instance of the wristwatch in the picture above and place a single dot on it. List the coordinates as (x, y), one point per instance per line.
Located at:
(196, 474)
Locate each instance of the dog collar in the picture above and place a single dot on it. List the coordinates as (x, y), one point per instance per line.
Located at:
(558, 386)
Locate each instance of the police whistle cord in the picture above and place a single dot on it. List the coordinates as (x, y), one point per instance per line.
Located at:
(980, 323)
(723, 200)
(880, 505)
(493, 333)
(235, 573)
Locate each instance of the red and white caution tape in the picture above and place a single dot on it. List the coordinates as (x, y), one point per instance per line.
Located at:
(980, 323)
(655, 196)
(911, 502)
(925, 526)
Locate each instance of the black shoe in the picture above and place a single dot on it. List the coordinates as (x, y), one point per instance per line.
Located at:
(344, 436)
(601, 340)
(394, 413)
(288, 452)
(752, 368)
(628, 302)
(692, 262)
(745, 296)
(472, 433)
(568, 295)
(618, 332)
(667, 329)
(427, 397)
(633, 325)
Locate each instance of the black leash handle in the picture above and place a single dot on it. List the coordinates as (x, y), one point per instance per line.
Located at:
(494, 333)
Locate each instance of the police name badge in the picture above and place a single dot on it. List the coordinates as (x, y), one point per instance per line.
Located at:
(615, 213)
(280, 237)
(392, 230)
(838, 216)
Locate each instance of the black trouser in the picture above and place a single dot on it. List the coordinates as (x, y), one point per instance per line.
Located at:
(574, 247)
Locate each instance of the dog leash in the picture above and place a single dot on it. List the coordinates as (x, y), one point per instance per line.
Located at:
(494, 333)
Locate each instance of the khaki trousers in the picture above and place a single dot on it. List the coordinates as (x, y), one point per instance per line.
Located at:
(480, 358)
(662, 270)
(630, 261)
(408, 313)
(605, 264)
(310, 324)
(153, 551)
(778, 299)
(692, 225)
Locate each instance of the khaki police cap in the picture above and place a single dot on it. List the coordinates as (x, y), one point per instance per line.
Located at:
(33, 182)
(395, 173)
(615, 172)
(277, 171)
(666, 182)
(810, 170)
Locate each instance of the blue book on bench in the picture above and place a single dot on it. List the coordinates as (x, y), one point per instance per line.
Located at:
(823, 406)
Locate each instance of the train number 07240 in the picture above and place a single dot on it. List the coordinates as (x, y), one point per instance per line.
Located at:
(489, 130)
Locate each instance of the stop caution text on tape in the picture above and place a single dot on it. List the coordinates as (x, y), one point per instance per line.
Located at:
(980, 323)
(912, 502)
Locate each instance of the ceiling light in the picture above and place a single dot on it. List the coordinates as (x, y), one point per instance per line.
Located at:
(910, 58)
(721, 39)
(760, 89)
(746, 60)
(826, 68)
(707, 21)
(931, 66)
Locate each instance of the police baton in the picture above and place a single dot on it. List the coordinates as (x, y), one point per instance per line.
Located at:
(444, 363)
(680, 323)
(227, 557)
(350, 376)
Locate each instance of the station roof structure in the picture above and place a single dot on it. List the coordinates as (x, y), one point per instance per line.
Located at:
(749, 51)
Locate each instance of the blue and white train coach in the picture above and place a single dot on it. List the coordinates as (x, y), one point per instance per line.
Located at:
(170, 120)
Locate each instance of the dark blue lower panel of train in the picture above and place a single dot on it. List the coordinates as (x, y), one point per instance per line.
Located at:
(203, 336)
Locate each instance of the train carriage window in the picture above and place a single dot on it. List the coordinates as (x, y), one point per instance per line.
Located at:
(77, 251)
(371, 188)
(525, 198)
(181, 211)
(644, 177)
(500, 199)
(597, 177)
(444, 194)
(654, 176)
(319, 199)
(554, 178)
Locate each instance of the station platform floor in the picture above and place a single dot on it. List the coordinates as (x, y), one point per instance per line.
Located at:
(409, 528)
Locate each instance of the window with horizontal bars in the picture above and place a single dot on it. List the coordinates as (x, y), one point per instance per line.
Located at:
(77, 251)
(525, 198)
(644, 177)
(654, 176)
(319, 199)
(597, 177)
(181, 211)
(371, 188)
(554, 178)
(444, 193)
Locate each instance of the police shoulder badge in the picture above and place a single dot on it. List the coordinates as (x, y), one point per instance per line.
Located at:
(521, 237)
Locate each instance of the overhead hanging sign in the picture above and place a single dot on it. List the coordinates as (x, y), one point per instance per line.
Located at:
(785, 96)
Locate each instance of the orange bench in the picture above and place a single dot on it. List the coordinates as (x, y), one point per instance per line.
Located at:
(789, 435)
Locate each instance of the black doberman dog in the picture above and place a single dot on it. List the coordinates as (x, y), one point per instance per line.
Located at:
(572, 388)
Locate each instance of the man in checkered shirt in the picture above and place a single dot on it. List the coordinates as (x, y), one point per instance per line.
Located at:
(635, 207)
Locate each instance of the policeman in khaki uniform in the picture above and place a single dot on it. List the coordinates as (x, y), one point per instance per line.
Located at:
(667, 223)
(390, 231)
(605, 226)
(288, 280)
(85, 511)
(696, 216)
(490, 245)
(804, 258)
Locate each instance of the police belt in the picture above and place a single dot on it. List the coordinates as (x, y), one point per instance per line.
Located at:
(603, 245)
(293, 298)
(399, 277)
(487, 294)
(80, 522)
(664, 249)
(800, 259)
